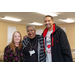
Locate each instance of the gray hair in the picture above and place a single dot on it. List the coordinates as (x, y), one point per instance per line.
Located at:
(30, 26)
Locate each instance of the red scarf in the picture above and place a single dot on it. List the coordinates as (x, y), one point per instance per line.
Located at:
(45, 33)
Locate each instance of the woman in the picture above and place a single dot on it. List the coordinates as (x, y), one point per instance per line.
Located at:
(13, 52)
(33, 47)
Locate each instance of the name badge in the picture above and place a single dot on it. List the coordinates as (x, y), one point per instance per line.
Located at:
(32, 52)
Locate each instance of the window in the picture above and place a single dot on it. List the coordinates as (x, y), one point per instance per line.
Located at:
(10, 32)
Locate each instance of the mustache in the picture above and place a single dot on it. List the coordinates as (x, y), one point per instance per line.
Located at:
(47, 24)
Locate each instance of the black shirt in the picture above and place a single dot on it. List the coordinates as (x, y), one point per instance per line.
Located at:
(34, 44)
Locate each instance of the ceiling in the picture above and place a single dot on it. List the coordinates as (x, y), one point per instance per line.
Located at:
(27, 17)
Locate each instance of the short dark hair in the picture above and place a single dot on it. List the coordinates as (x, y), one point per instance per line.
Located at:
(48, 16)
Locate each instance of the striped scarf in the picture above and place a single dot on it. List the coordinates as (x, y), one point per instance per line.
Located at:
(41, 52)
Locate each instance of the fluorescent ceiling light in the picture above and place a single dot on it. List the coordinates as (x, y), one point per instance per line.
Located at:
(48, 13)
(10, 18)
(35, 23)
(67, 20)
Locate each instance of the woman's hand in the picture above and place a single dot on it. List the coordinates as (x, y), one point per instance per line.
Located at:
(24, 36)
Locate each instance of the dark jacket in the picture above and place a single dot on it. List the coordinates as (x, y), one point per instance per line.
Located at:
(60, 47)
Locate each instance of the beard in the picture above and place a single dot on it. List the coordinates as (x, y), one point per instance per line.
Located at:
(49, 26)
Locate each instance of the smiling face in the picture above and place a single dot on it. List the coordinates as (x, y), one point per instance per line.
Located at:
(48, 23)
(17, 37)
(31, 32)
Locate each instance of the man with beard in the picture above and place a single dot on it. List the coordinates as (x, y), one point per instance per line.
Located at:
(56, 44)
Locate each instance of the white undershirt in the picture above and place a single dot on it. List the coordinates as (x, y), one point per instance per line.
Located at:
(48, 47)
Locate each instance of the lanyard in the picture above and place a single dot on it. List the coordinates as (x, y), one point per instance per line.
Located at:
(32, 45)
